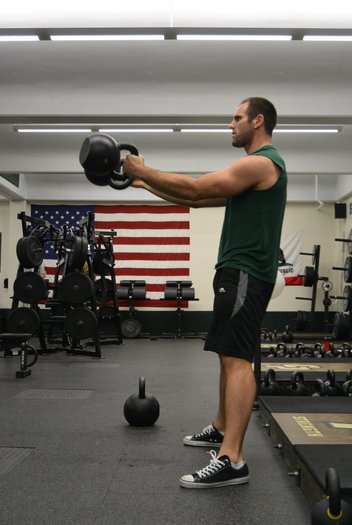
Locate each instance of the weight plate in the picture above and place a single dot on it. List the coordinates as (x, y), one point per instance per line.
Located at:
(103, 261)
(341, 328)
(347, 274)
(77, 253)
(309, 276)
(30, 287)
(347, 298)
(81, 323)
(29, 252)
(349, 245)
(23, 320)
(104, 291)
(75, 288)
(131, 328)
(109, 320)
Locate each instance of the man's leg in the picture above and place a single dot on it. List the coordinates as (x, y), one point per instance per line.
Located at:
(219, 421)
(240, 393)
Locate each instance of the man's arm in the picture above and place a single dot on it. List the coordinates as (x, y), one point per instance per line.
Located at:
(248, 172)
(205, 203)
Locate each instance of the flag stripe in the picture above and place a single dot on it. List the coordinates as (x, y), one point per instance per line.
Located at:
(130, 256)
(153, 241)
(157, 209)
(142, 225)
(152, 271)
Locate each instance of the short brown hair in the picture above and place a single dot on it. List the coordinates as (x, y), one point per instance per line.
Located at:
(259, 105)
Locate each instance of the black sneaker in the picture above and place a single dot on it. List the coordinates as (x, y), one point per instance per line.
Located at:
(208, 437)
(218, 473)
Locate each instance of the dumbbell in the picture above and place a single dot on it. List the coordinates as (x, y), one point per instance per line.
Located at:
(100, 156)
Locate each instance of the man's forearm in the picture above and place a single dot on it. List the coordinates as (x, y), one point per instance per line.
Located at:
(204, 203)
(171, 184)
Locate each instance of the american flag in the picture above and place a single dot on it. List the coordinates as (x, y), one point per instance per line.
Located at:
(152, 242)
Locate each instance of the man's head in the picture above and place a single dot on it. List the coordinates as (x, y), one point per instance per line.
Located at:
(261, 106)
(253, 115)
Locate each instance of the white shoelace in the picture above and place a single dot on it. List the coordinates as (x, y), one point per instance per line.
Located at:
(214, 465)
(205, 431)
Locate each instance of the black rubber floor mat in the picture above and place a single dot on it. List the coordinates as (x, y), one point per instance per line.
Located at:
(11, 456)
(42, 393)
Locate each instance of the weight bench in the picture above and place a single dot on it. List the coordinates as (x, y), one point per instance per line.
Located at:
(9, 340)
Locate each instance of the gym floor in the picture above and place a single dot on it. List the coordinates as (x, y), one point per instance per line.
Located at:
(68, 456)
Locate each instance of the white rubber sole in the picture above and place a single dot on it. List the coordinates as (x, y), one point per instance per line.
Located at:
(198, 485)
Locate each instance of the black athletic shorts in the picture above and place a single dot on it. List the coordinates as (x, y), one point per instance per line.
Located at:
(240, 303)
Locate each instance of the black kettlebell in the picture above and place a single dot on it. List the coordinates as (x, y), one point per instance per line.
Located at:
(331, 387)
(319, 388)
(141, 410)
(269, 387)
(100, 156)
(297, 386)
(287, 336)
(332, 509)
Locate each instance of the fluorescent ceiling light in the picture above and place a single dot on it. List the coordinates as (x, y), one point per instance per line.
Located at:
(306, 130)
(205, 130)
(53, 130)
(106, 37)
(19, 38)
(234, 37)
(137, 130)
(328, 38)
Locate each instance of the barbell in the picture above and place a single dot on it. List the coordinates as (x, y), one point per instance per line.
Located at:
(100, 157)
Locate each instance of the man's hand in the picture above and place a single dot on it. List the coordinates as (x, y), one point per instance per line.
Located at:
(132, 165)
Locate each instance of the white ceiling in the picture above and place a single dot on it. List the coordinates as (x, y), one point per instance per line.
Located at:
(104, 83)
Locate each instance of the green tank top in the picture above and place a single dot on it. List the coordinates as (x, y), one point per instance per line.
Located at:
(251, 232)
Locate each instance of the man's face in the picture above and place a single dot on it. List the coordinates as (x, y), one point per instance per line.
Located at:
(242, 130)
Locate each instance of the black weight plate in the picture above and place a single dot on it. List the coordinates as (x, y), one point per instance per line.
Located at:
(81, 323)
(30, 287)
(75, 288)
(349, 245)
(99, 286)
(341, 329)
(309, 276)
(29, 252)
(23, 320)
(347, 298)
(103, 262)
(78, 253)
(131, 328)
(347, 274)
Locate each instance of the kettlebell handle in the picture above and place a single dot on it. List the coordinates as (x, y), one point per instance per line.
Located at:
(118, 179)
(141, 391)
(333, 491)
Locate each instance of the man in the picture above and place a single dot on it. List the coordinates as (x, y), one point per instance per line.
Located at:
(253, 189)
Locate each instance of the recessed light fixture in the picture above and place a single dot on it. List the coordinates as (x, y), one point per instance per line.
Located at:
(19, 38)
(328, 38)
(234, 37)
(105, 37)
(136, 130)
(307, 130)
(53, 130)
